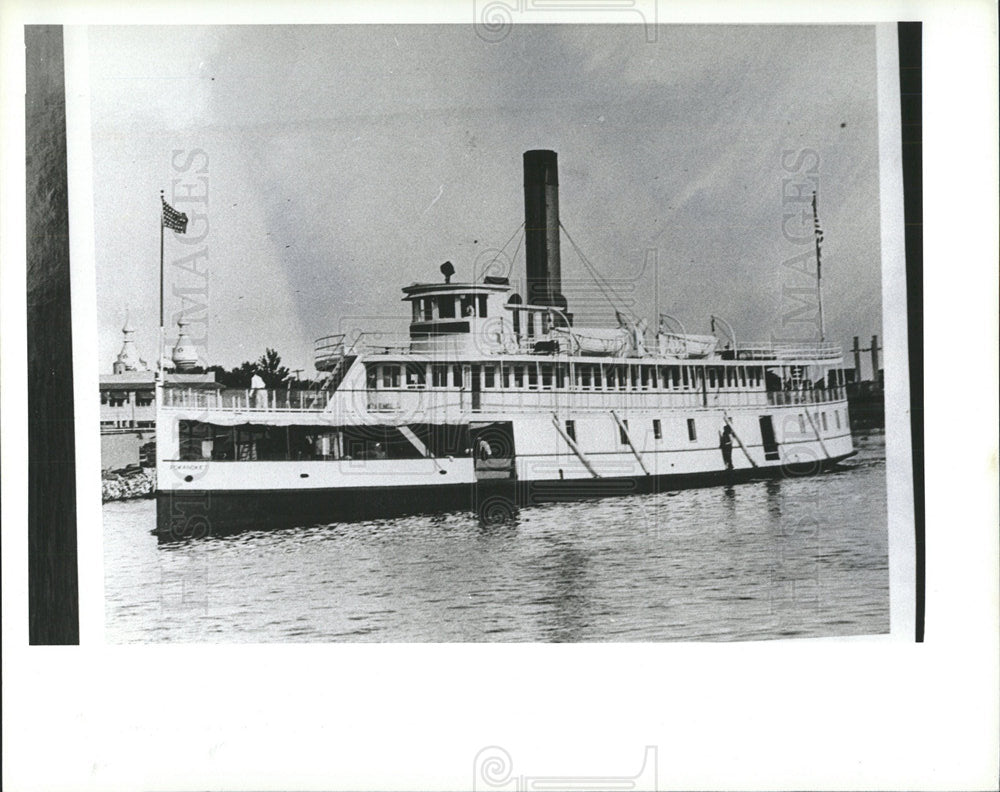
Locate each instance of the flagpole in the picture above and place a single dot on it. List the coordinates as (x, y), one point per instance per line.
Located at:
(160, 359)
(819, 272)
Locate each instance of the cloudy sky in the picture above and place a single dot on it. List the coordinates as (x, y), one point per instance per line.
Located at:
(345, 162)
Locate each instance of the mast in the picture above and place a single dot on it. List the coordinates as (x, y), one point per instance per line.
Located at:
(819, 269)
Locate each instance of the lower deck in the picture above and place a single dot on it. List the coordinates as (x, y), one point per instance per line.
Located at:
(344, 470)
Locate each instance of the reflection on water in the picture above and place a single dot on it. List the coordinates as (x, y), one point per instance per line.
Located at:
(779, 558)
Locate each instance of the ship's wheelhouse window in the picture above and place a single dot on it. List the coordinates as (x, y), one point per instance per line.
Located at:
(489, 377)
(468, 304)
(390, 376)
(428, 308)
(482, 306)
(518, 376)
(439, 376)
(546, 375)
(446, 306)
(416, 375)
(692, 430)
(657, 429)
(532, 376)
(415, 304)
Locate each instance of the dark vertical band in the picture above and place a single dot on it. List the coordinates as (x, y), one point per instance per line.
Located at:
(53, 596)
(910, 96)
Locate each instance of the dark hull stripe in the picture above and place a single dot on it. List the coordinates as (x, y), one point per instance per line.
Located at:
(197, 514)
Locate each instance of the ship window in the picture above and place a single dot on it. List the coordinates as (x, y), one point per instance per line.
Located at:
(560, 375)
(416, 310)
(505, 375)
(802, 424)
(416, 375)
(634, 377)
(585, 376)
(622, 377)
(489, 377)
(743, 376)
(546, 375)
(456, 377)
(711, 378)
(674, 376)
(597, 376)
(823, 418)
(623, 432)
(104, 397)
(657, 429)
(836, 416)
(439, 376)
(468, 307)
(532, 376)
(482, 306)
(143, 398)
(611, 376)
(428, 309)
(518, 376)
(390, 376)
(371, 377)
(446, 307)
(684, 376)
(571, 430)
(692, 430)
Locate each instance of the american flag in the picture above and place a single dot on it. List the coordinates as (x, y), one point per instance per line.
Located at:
(172, 219)
(816, 228)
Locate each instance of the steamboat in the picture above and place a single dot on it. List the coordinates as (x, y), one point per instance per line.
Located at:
(495, 401)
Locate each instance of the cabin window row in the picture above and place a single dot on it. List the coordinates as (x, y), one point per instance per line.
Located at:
(584, 376)
(449, 306)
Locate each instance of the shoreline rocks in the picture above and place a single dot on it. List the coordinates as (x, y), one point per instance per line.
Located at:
(128, 484)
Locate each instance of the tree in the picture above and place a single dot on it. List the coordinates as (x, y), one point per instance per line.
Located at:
(270, 369)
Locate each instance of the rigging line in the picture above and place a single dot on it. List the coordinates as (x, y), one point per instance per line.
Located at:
(516, 250)
(598, 278)
(590, 269)
(502, 249)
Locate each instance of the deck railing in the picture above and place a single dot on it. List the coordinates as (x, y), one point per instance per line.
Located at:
(260, 399)
(785, 351)
(417, 399)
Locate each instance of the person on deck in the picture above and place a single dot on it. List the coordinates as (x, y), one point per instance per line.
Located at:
(726, 444)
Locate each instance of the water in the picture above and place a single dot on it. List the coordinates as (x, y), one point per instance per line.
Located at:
(773, 559)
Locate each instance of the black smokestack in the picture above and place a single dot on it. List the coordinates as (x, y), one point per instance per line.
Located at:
(541, 228)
